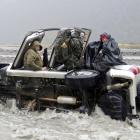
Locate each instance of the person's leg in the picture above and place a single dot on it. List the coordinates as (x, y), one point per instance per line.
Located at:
(88, 101)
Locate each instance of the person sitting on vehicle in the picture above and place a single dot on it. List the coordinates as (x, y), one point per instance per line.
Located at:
(100, 56)
(106, 54)
(32, 59)
(68, 53)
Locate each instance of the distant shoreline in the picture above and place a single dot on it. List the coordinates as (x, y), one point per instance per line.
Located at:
(129, 46)
(121, 45)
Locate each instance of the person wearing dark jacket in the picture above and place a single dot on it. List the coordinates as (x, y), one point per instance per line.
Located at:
(106, 54)
(100, 56)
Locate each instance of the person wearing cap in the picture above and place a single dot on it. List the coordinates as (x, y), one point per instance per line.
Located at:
(32, 59)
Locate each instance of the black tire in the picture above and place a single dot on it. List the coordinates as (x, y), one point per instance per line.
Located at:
(82, 78)
(114, 105)
(138, 97)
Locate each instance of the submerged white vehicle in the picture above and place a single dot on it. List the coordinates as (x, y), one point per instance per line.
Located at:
(60, 89)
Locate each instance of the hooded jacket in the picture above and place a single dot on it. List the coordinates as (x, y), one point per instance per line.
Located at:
(107, 54)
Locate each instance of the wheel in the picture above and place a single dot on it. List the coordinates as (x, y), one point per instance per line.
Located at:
(138, 97)
(114, 105)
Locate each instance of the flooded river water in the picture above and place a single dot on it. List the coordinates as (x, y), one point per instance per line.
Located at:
(49, 125)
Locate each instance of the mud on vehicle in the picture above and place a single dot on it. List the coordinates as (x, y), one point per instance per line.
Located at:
(60, 88)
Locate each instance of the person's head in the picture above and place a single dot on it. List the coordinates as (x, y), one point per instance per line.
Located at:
(75, 33)
(104, 37)
(36, 46)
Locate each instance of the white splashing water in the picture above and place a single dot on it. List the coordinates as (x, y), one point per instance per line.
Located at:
(49, 125)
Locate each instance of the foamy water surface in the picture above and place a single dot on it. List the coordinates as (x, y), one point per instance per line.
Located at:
(49, 125)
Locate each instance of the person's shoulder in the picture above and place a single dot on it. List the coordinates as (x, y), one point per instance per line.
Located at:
(94, 44)
(113, 41)
(30, 51)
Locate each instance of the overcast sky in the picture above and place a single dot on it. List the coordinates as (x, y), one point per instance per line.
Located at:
(120, 18)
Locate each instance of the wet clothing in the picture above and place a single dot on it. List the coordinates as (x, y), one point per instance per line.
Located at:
(69, 53)
(101, 56)
(91, 52)
(32, 60)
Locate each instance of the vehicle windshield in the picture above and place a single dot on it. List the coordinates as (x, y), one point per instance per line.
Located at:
(48, 39)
